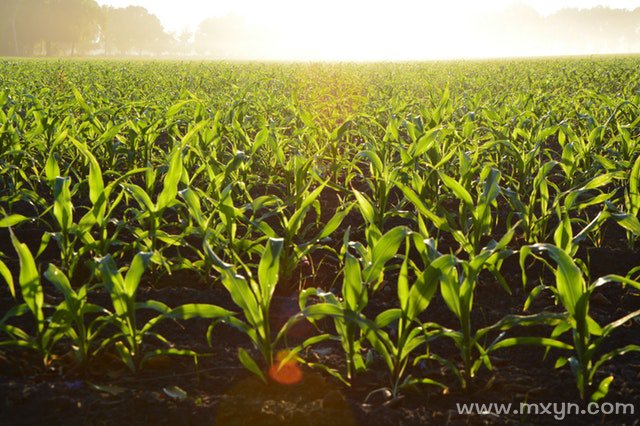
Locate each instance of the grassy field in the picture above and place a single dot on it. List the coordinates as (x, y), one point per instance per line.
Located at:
(295, 242)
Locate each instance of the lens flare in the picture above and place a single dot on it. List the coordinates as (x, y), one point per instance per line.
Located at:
(287, 372)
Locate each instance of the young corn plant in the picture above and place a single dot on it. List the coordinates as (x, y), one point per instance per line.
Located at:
(396, 348)
(104, 201)
(354, 299)
(374, 208)
(458, 279)
(85, 320)
(63, 213)
(254, 298)
(360, 276)
(475, 219)
(532, 205)
(573, 292)
(212, 213)
(628, 218)
(48, 330)
(75, 239)
(151, 213)
(130, 339)
(297, 244)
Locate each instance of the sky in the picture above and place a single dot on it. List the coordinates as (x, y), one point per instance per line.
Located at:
(177, 15)
(356, 29)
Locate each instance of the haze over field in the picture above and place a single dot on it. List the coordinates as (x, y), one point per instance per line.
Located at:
(339, 29)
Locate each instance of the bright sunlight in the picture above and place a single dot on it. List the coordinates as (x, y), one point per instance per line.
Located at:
(358, 30)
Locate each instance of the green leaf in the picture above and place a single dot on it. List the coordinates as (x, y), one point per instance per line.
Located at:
(439, 222)
(387, 317)
(375, 160)
(96, 184)
(29, 280)
(627, 221)
(536, 341)
(8, 278)
(337, 133)
(198, 310)
(62, 207)
(12, 220)
(426, 284)
(296, 219)
(250, 364)
(269, 267)
(52, 170)
(114, 283)
(379, 340)
(366, 209)
(193, 132)
(491, 189)
(449, 284)
(610, 355)
(60, 281)
(171, 180)
(355, 295)
(193, 203)
(126, 356)
(153, 305)
(261, 138)
(603, 389)
(568, 159)
(331, 371)
(459, 191)
(619, 322)
(242, 296)
(423, 381)
(403, 283)
(333, 223)
(634, 193)
(563, 236)
(140, 196)
(569, 280)
(383, 251)
(561, 362)
(80, 100)
(136, 269)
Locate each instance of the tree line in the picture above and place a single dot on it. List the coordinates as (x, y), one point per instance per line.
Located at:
(78, 27)
(568, 31)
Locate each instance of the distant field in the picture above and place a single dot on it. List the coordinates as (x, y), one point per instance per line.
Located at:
(443, 225)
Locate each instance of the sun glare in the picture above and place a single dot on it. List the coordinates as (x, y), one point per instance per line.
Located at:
(375, 30)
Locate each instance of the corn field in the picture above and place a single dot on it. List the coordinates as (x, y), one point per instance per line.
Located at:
(367, 242)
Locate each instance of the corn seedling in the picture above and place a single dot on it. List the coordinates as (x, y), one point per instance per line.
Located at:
(130, 338)
(254, 297)
(48, 330)
(573, 292)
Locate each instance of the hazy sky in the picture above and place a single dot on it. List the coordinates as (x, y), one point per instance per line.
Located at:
(176, 15)
(361, 29)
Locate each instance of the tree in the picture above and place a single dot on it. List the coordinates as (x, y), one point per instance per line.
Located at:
(73, 22)
(226, 37)
(8, 35)
(132, 29)
(30, 26)
(184, 41)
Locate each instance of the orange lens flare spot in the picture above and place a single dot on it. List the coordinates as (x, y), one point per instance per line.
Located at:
(287, 373)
